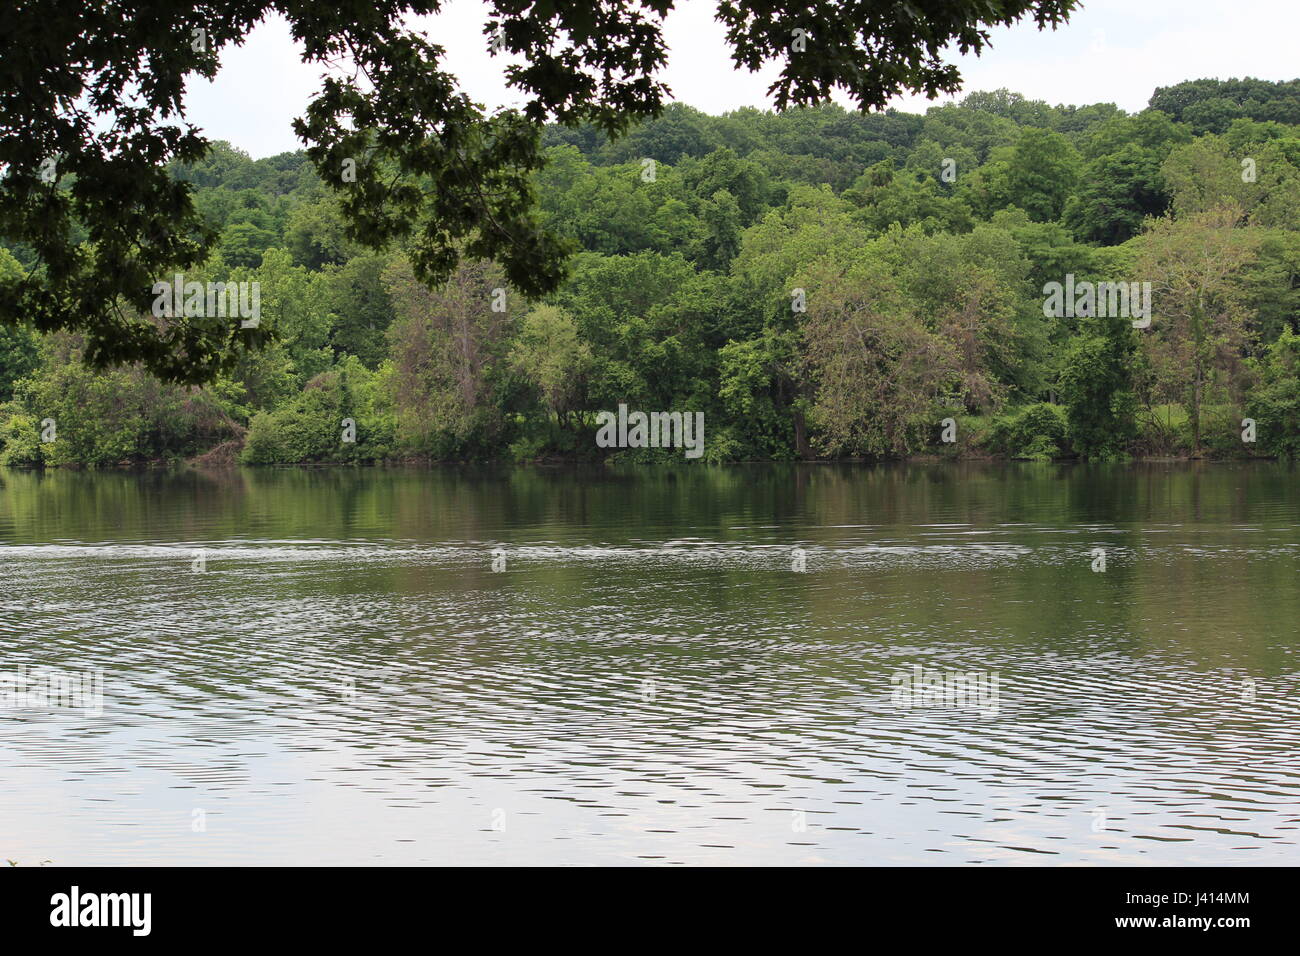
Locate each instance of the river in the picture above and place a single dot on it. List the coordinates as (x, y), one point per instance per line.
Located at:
(695, 665)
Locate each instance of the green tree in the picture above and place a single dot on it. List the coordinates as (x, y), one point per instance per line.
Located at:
(317, 235)
(1271, 285)
(1212, 105)
(554, 360)
(652, 323)
(887, 197)
(295, 308)
(721, 216)
(1199, 322)
(1041, 174)
(877, 376)
(1204, 175)
(1119, 190)
(342, 416)
(449, 350)
(1274, 402)
(409, 154)
(243, 244)
(757, 383)
(1096, 385)
(360, 308)
(118, 416)
(18, 343)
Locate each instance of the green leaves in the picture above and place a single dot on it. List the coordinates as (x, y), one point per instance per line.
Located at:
(92, 119)
(88, 103)
(873, 50)
(1275, 403)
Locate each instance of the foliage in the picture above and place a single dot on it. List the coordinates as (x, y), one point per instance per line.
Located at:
(1275, 404)
(1036, 432)
(1211, 106)
(449, 352)
(95, 90)
(120, 416)
(878, 376)
(1199, 323)
(342, 416)
(553, 359)
(1097, 389)
(817, 282)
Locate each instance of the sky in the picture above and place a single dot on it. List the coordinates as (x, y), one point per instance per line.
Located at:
(1111, 51)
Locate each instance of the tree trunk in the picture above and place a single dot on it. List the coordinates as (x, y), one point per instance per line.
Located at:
(801, 436)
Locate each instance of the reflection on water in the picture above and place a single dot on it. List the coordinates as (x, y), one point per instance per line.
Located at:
(348, 680)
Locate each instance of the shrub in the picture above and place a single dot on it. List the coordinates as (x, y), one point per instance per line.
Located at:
(20, 438)
(310, 427)
(1220, 433)
(1036, 432)
(1274, 402)
(110, 416)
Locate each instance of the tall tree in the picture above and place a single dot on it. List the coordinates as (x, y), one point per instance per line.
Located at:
(1198, 320)
(1096, 384)
(91, 95)
(448, 348)
(876, 374)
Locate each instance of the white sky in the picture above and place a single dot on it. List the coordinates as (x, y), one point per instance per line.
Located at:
(1115, 51)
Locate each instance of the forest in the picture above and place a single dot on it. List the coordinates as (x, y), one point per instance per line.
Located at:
(820, 283)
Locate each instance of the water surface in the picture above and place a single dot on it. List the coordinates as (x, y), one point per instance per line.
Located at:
(346, 679)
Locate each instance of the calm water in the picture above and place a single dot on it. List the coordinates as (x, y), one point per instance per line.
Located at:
(348, 680)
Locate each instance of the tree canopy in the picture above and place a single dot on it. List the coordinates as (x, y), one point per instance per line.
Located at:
(92, 120)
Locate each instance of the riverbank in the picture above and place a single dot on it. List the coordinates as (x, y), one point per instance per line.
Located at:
(1033, 433)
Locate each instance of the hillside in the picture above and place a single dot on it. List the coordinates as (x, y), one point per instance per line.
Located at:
(817, 283)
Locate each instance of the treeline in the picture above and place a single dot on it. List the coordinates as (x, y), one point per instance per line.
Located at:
(819, 283)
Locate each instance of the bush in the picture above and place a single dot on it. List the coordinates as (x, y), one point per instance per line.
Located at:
(1221, 433)
(20, 439)
(1274, 403)
(108, 417)
(1162, 431)
(1035, 432)
(310, 427)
